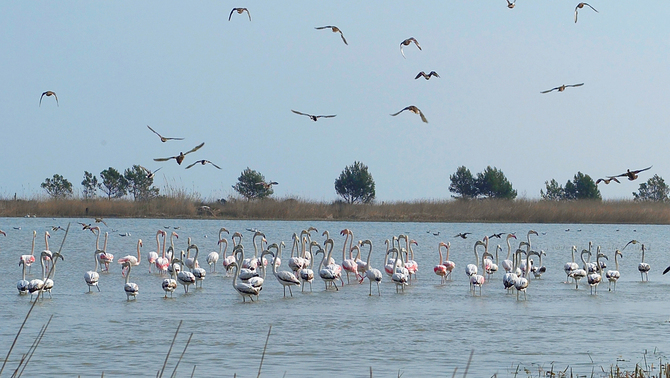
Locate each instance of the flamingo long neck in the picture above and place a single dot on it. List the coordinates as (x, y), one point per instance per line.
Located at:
(509, 248)
(616, 260)
(476, 255)
(164, 242)
(573, 253)
(128, 273)
(643, 253)
(97, 238)
(344, 246)
(497, 248)
(222, 251)
(439, 251)
(172, 240)
(322, 259)
(139, 243)
(294, 247)
(23, 270)
(158, 242)
(95, 257)
(448, 248)
(304, 248)
(369, 254)
(46, 240)
(582, 257)
(351, 242)
(104, 247)
(44, 274)
(330, 251)
(32, 249)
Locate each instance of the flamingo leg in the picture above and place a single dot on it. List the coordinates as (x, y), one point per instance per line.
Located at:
(379, 291)
(290, 291)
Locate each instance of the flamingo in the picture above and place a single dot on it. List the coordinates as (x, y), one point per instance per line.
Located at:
(103, 257)
(285, 278)
(244, 273)
(411, 265)
(131, 288)
(162, 262)
(169, 285)
(245, 289)
(213, 257)
(471, 269)
(252, 263)
(371, 273)
(440, 269)
(92, 277)
(227, 260)
(400, 273)
(153, 255)
(307, 273)
(295, 263)
(48, 282)
(507, 263)
(570, 266)
(198, 272)
(363, 265)
(23, 284)
(190, 262)
(130, 258)
(478, 280)
(538, 270)
(47, 258)
(327, 273)
(28, 260)
(170, 255)
(643, 267)
(613, 275)
(183, 277)
(511, 277)
(578, 274)
(521, 283)
(388, 258)
(348, 264)
(37, 284)
(595, 278)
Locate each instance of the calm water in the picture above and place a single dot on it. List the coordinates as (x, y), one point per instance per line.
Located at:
(428, 330)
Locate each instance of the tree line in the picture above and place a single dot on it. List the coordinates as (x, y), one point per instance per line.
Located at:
(355, 185)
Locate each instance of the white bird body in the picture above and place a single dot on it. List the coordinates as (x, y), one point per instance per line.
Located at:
(244, 289)
(643, 267)
(169, 285)
(400, 274)
(372, 274)
(28, 260)
(92, 277)
(132, 260)
(440, 269)
(23, 284)
(328, 273)
(580, 273)
(131, 288)
(614, 275)
(104, 258)
(285, 278)
(153, 255)
(571, 266)
(185, 278)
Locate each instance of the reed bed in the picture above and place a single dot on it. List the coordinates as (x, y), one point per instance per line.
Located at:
(182, 205)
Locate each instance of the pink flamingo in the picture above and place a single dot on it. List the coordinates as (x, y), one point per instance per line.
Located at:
(363, 265)
(132, 260)
(28, 260)
(440, 269)
(162, 262)
(213, 257)
(349, 265)
(388, 258)
(507, 263)
(103, 257)
(295, 263)
(411, 265)
(336, 269)
(153, 255)
(227, 260)
(450, 265)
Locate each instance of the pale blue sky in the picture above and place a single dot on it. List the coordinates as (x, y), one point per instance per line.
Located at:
(187, 71)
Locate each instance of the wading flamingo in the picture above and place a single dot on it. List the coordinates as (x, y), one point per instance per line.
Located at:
(307, 274)
(162, 262)
(400, 274)
(570, 266)
(134, 261)
(23, 284)
(614, 275)
(92, 277)
(644, 268)
(580, 273)
(153, 255)
(440, 269)
(595, 278)
(169, 285)
(213, 257)
(183, 277)
(371, 273)
(227, 260)
(285, 278)
(326, 272)
(507, 264)
(244, 289)
(103, 257)
(348, 264)
(131, 288)
(28, 260)
(198, 272)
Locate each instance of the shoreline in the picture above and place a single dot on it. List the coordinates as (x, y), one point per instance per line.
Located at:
(446, 211)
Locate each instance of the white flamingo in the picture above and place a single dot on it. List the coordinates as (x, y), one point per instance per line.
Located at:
(285, 278)
(153, 255)
(131, 288)
(471, 269)
(348, 264)
(295, 263)
(23, 284)
(162, 262)
(570, 266)
(132, 260)
(37, 284)
(307, 274)
(511, 277)
(48, 282)
(92, 277)
(169, 285)
(105, 258)
(614, 275)
(213, 257)
(521, 283)
(540, 269)
(244, 273)
(243, 288)
(327, 274)
(580, 273)
(362, 265)
(400, 274)
(183, 277)
(198, 272)
(28, 260)
(227, 260)
(595, 278)
(507, 264)
(450, 265)
(644, 268)
(371, 273)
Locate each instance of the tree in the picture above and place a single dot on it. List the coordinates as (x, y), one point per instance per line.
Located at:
(90, 185)
(655, 189)
(555, 191)
(251, 185)
(492, 183)
(355, 184)
(582, 187)
(57, 187)
(113, 183)
(139, 183)
(463, 183)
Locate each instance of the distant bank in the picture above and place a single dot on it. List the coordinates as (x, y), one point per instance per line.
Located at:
(522, 211)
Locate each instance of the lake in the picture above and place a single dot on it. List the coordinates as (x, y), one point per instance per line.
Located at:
(429, 330)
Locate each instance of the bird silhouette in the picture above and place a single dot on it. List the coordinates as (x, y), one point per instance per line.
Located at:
(335, 29)
(239, 11)
(203, 162)
(511, 4)
(432, 73)
(608, 180)
(406, 43)
(630, 242)
(562, 87)
(580, 6)
(179, 158)
(100, 220)
(313, 117)
(414, 110)
(49, 93)
(163, 139)
(632, 175)
(463, 235)
(267, 185)
(496, 235)
(149, 173)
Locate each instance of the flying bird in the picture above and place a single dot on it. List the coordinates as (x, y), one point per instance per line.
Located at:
(499, 236)
(179, 158)
(630, 242)
(562, 87)
(150, 174)
(163, 139)
(406, 43)
(267, 185)
(49, 93)
(203, 162)
(414, 110)
(313, 117)
(580, 6)
(432, 73)
(632, 175)
(510, 5)
(463, 235)
(335, 29)
(100, 220)
(239, 11)
(608, 180)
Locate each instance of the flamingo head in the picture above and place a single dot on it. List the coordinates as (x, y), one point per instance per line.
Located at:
(509, 236)
(345, 232)
(3, 233)
(175, 234)
(222, 241)
(139, 242)
(413, 242)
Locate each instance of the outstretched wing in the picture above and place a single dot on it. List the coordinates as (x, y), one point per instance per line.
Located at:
(395, 114)
(215, 166)
(196, 148)
(589, 5)
(575, 85)
(344, 40)
(549, 90)
(642, 170)
(165, 159)
(423, 117)
(323, 27)
(433, 73)
(231, 13)
(154, 131)
(297, 112)
(248, 14)
(42, 97)
(194, 163)
(420, 74)
(326, 116)
(630, 242)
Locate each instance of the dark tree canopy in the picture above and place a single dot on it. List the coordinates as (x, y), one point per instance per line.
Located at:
(581, 187)
(655, 189)
(113, 183)
(57, 187)
(139, 184)
(492, 183)
(355, 184)
(463, 183)
(555, 191)
(90, 184)
(251, 185)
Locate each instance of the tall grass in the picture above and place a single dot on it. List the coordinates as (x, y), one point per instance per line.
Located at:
(181, 204)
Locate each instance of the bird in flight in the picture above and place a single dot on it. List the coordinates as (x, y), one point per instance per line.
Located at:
(406, 43)
(463, 235)
(179, 158)
(86, 226)
(150, 174)
(239, 11)
(580, 6)
(432, 73)
(163, 139)
(49, 93)
(203, 162)
(56, 228)
(630, 242)
(267, 185)
(414, 110)
(313, 117)
(632, 175)
(100, 220)
(335, 29)
(510, 4)
(608, 180)
(499, 236)
(562, 87)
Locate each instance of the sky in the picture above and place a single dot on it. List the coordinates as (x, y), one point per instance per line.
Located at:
(185, 70)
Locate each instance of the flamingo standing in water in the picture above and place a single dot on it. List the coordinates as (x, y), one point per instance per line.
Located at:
(348, 264)
(410, 264)
(213, 257)
(371, 273)
(580, 273)
(595, 278)
(227, 260)
(307, 273)
(570, 266)
(507, 264)
(134, 261)
(644, 268)
(153, 255)
(48, 282)
(28, 260)
(131, 288)
(47, 257)
(92, 277)
(103, 257)
(244, 289)
(198, 272)
(363, 265)
(285, 278)
(326, 272)
(23, 284)
(183, 277)
(162, 262)
(169, 285)
(614, 275)
(440, 269)
(400, 273)
(37, 284)
(295, 263)
(521, 283)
